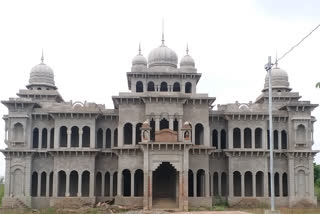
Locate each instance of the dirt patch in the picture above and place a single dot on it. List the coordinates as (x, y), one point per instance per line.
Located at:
(247, 203)
(304, 204)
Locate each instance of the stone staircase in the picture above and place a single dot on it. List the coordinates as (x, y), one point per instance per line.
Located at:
(10, 203)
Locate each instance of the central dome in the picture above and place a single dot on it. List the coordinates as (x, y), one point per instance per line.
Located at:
(163, 56)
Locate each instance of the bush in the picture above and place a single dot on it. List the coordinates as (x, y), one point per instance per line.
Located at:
(1, 192)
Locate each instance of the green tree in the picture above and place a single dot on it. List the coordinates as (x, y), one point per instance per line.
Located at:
(316, 174)
(318, 85)
(1, 180)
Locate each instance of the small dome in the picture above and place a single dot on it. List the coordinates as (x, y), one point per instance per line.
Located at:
(139, 60)
(279, 79)
(42, 74)
(163, 56)
(187, 61)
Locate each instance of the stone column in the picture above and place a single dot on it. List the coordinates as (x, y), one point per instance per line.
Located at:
(291, 178)
(119, 183)
(80, 185)
(230, 177)
(56, 138)
(193, 134)
(242, 185)
(40, 139)
(206, 190)
(132, 184)
(157, 123)
(80, 138)
(104, 139)
(254, 185)
(179, 129)
(111, 185)
(69, 138)
(92, 137)
(280, 185)
(280, 139)
(55, 184)
(92, 181)
(211, 183)
(8, 177)
(67, 184)
(103, 184)
(133, 134)
(230, 138)
(219, 184)
(48, 185)
(195, 184)
(171, 122)
(39, 185)
(48, 138)
(253, 141)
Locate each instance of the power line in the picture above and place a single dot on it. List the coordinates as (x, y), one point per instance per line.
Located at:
(293, 47)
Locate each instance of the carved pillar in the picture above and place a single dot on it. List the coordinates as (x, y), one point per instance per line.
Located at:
(280, 185)
(40, 139)
(80, 185)
(206, 190)
(171, 122)
(133, 134)
(242, 185)
(104, 139)
(39, 185)
(179, 130)
(69, 138)
(67, 184)
(254, 184)
(242, 138)
(111, 185)
(157, 123)
(132, 183)
(195, 184)
(253, 142)
(230, 138)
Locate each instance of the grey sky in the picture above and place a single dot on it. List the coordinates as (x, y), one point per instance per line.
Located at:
(90, 45)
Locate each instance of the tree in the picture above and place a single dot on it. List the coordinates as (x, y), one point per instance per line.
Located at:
(318, 85)
(1, 180)
(316, 174)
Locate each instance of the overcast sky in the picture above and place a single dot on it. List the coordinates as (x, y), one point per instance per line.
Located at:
(90, 45)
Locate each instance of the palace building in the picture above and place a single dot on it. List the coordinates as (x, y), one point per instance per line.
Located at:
(162, 146)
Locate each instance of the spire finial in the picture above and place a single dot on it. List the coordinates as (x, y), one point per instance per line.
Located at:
(42, 58)
(162, 40)
(276, 63)
(139, 48)
(187, 50)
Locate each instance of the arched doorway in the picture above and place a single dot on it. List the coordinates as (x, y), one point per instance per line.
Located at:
(165, 186)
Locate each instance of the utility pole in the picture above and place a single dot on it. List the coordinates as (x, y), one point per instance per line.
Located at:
(268, 68)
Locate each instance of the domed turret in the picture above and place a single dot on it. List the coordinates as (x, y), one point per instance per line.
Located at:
(41, 75)
(187, 61)
(163, 56)
(139, 59)
(279, 80)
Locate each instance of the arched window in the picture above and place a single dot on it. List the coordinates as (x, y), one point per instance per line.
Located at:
(86, 136)
(190, 183)
(62, 183)
(188, 87)
(175, 125)
(18, 132)
(44, 142)
(223, 138)
(275, 139)
(201, 183)
(285, 184)
(215, 184)
(63, 136)
(138, 133)
(176, 87)
(98, 184)
(115, 138)
(236, 138)
(108, 138)
(127, 133)
(259, 184)
(35, 138)
(199, 134)
(52, 138)
(34, 184)
(164, 86)
(237, 184)
(43, 184)
(150, 86)
(73, 183)
(85, 185)
(215, 138)
(284, 139)
(164, 124)
(99, 138)
(301, 134)
(247, 138)
(126, 175)
(276, 184)
(258, 138)
(74, 136)
(139, 86)
(248, 189)
(224, 184)
(138, 183)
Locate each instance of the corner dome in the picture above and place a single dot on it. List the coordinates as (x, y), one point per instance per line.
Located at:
(139, 60)
(187, 61)
(279, 80)
(163, 56)
(41, 75)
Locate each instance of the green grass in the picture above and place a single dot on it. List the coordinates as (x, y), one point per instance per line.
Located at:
(1, 192)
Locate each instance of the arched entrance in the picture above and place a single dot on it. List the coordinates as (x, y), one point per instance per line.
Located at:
(165, 191)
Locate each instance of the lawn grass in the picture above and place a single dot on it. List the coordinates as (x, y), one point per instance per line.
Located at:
(1, 192)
